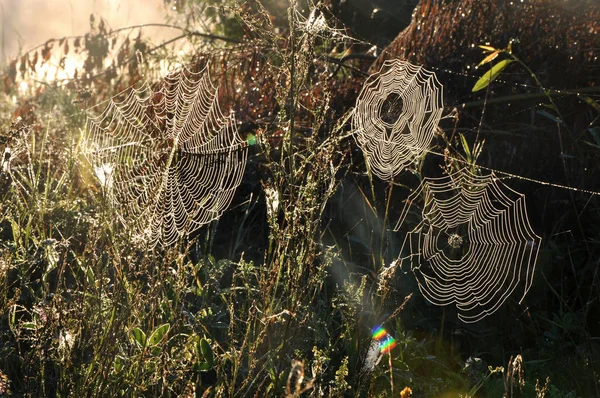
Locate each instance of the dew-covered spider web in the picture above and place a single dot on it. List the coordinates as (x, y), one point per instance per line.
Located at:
(167, 158)
(474, 245)
(396, 115)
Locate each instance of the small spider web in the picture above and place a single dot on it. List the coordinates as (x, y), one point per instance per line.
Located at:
(474, 246)
(168, 159)
(396, 115)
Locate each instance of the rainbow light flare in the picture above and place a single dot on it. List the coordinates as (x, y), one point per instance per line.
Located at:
(386, 342)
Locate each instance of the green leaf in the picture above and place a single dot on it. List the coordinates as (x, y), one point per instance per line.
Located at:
(158, 334)
(89, 273)
(16, 230)
(488, 77)
(51, 261)
(118, 364)
(197, 348)
(29, 325)
(465, 146)
(567, 156)
(549, 116)
(204, 366)
(595, 132)
(139, 337)
(207, 352)
(199, 289)
(155, 351)
(13, 316)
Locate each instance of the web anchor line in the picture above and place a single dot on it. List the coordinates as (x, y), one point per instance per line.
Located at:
(505, 173)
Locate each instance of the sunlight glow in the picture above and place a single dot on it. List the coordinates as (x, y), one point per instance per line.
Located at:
(23, 86)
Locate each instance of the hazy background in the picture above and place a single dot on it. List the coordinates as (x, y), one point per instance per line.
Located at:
(27, 23)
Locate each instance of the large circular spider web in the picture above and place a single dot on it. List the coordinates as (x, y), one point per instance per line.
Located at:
(168, 159)
(474, 245)
(396, 115)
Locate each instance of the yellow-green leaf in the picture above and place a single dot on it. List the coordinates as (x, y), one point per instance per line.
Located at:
(493, 73)
(591, 103)
(487, 48)
(489, 58)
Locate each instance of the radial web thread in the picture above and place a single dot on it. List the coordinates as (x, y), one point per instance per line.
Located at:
(474, 246)
(168, 159)
(396, 115)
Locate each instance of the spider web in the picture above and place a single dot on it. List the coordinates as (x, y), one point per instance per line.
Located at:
(396, 115)
(474, 245)
(168, 159)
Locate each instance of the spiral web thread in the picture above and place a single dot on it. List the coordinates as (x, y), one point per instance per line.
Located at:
(396, 115)
(168, 159)
(474, 245)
